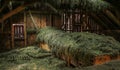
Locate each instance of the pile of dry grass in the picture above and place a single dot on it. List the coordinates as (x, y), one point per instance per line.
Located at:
(80, 49)
(34, 58)
(30, 58)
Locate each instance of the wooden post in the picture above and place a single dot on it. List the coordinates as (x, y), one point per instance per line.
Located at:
(50, 19)
(2, 26)
(12, 36)
(11, 32)
(25, 33)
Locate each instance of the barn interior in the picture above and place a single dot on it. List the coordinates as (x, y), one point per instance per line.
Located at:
(59, 35)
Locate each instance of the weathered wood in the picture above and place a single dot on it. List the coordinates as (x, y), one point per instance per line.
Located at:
(25, 33)
(112, 17)
(33, 19)
(41, 12)
(105, 18)
(2, 8)
(12, 35)
(54, 9)
(117, 14)
(99, 21)
(13, 12)
(118, 31)
(2, 26)
(107, 21)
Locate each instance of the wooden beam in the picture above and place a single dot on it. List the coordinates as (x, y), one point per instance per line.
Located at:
(2, 8)
(117, 14)
(54, 9)
(5, 4)
(99, 21)
(13, 12)
(41, 12)
(118, 31)
(107, 21)
(112, 17)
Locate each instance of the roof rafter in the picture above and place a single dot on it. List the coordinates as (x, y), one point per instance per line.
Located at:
(15, 11)
(112, 17)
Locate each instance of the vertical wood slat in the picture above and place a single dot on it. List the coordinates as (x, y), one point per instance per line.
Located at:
(13, 36)
(50, 20)
(25, 34)
(2, 26)
(18, 34)
(81, 21)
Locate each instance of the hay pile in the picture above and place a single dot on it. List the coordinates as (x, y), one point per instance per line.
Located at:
(30, 58)
(79, 49)
(33, 58)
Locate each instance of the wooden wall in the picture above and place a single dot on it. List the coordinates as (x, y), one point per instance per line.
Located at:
(80, 22)
(50, 19)
(41, 20)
